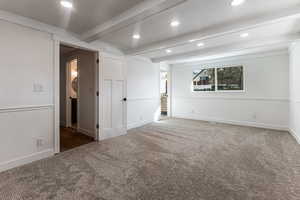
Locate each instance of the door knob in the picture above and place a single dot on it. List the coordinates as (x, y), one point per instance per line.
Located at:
(125, 99)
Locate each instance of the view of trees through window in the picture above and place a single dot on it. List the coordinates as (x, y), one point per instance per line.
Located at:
(204, 80)
(226, 79)
(230, 78)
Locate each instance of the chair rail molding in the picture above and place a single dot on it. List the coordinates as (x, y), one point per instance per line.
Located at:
(26, 108)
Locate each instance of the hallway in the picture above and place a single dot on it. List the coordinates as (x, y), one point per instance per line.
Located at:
(70, 138)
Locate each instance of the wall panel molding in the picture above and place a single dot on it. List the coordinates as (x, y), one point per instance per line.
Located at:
(26, 159)
(138, 124)
(294, 101)
(232, 122)
(295, 135)
(144, 99)
(26, 108)
(234, 98)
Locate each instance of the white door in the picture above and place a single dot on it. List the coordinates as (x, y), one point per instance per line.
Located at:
(114, 121)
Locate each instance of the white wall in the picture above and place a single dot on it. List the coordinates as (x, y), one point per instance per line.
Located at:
(27, 73)
(26, 95)
(295, 90)
(265, 103)
(143, 78)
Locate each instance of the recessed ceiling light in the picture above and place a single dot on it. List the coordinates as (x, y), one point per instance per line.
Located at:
(201, 44)
(175, 23)
(136, 36)
(66, 4)
(169, 51)
(244, 35)
(237, 2)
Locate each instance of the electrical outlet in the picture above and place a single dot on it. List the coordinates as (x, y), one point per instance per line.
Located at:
(38, 88)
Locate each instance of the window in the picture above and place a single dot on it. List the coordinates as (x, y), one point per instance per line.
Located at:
(219, 79)
(230, 78)
(204, 80)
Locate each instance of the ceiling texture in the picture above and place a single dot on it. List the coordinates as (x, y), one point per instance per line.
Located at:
(271, 24)
(85, 15)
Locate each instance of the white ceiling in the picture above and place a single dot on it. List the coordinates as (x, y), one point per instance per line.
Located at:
(279, 32)
(272, 23)
(194, 15)
(86, 13)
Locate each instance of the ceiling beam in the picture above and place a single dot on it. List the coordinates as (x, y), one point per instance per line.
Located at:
(238, 48)
(134, 15)
(218, 31)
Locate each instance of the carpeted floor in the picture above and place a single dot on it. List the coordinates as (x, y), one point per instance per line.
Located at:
(171, 160)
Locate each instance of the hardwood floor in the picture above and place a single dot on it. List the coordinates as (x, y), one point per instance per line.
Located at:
(70, 138)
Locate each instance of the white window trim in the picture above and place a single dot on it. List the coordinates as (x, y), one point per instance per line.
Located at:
(216, 80)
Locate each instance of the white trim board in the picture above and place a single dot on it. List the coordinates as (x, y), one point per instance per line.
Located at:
(26, 160)
(108, 134)
(138, 124)
(233, 122)
(144, 99)
(90, 133)
(84, 46)
(232, 98)
(293, 133)
(25, 108)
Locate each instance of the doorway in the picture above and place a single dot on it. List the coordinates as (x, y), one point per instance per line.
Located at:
(78, 97)
(164, 96)
(72, 93)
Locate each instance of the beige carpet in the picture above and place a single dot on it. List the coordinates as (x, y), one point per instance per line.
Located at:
(172, 160)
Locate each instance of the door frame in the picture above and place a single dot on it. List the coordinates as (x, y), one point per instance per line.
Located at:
(169, 88)
(56, 87)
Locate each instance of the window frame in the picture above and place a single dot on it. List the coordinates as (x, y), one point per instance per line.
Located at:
(209, 91)
(216, 79)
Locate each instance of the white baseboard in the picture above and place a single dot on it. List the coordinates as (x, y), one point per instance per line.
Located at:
(233, 122)
(89, 133)
(26, 160)
(138, 124)
(112, 133)
(295, 135)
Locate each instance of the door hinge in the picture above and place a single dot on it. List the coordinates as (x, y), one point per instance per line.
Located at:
(97, 126)
(97, 61)
(97, 93)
